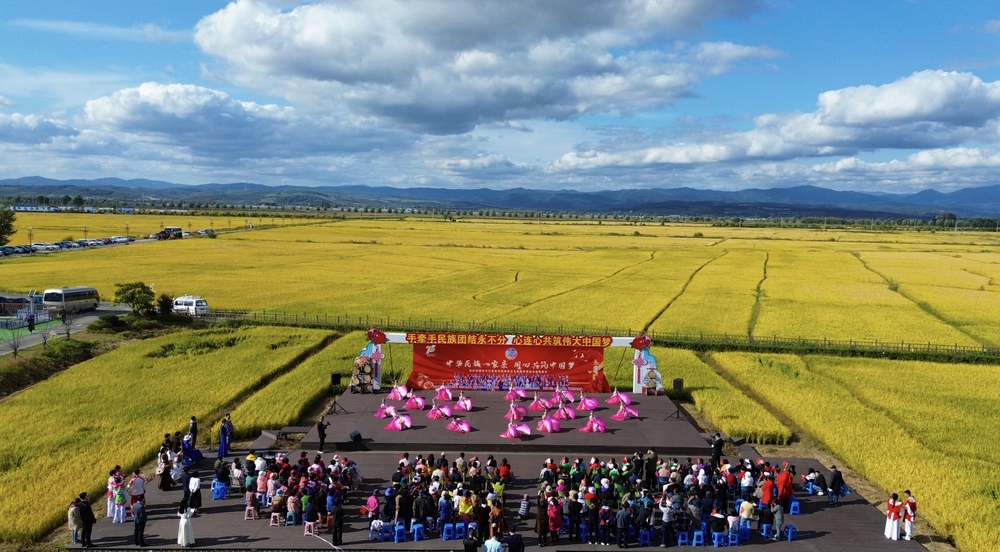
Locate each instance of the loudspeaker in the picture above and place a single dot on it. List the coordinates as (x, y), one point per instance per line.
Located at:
(356, 436)
(678, 385)
(334, 379)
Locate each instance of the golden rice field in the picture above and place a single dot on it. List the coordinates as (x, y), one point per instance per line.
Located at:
(903, 425)
(837, 284)
(64, 434)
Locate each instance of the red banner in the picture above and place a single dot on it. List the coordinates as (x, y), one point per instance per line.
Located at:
(531, 362)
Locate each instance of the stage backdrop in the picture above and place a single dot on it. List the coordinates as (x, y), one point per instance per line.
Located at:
(497, 361)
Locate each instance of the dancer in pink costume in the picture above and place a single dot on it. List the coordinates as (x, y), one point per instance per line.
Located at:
(516, 394)
(540, 403)
(399, 423)
(385, 411)
(565, 412)
(460, 426)
(398, 393)
(439, 412)
(414, 402)
(548, 424)
(587, 403)
(463, 403)
(617, 397)
(515, 431)
(562, 394)
(443, 394)
(625, 413)
(594, 425)
(516, 412)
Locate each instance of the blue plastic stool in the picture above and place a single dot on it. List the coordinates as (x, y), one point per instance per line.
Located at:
(808, 488)
(219, 491)
(469, 527)
(719, 539)
(460, 533)
(386, 533)
(448, 532)
(584, 531)
(766, 530)
(682, 538)
(289, 519)
(698, 539)
(734, 538)
(744, 533)
(418, 532)
(791, 532)
(400, 534)
(645, 537)
(565, 528)
(795, 509)
(739, 501)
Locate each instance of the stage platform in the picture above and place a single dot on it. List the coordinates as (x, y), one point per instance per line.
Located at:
(660, 425)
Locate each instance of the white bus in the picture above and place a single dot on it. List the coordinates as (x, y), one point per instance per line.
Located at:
(70, 299)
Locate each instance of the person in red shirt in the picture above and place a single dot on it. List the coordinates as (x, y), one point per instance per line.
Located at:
(767, 490)
(909, 514)
(893, 512)
(784, 484)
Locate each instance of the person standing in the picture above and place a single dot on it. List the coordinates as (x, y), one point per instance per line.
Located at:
(909, 514)
(194, 489)
(471, 542)
(514, 541)
(88, 520)
(185, 531)
(223, 438)
(892, 514)
(717, 445)
(623, 519)
(493, 544)
(778, 510)
(74, 519)
(783, 484)
(337, 523)
(137, 489)
(229, 426)
(836, 485)
(321, 426)
(139, 516)
(193, 431)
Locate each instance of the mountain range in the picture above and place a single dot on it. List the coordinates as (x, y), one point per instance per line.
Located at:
(794, 201)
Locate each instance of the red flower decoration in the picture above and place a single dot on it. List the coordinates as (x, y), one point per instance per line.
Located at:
(376, 336)
(641, 342)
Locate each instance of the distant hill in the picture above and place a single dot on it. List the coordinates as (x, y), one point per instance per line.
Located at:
(794, 201)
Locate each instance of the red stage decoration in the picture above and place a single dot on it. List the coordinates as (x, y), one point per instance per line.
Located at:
(489, 362)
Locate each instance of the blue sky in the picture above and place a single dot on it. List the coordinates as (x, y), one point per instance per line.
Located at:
(887, 95)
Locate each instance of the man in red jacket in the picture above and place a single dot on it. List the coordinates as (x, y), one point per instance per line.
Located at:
(784, 483)
(767, 490)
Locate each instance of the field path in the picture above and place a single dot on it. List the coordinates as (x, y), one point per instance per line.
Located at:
(755, 312)
(681, 292)
(894, 286)
(652, 256)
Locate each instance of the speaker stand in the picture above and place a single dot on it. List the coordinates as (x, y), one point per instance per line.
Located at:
(677, 413)
(336, 405)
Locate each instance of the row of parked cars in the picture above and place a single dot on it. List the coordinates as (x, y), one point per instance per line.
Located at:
(37, 247)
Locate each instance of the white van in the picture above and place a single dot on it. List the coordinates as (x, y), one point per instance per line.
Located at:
(190, 304)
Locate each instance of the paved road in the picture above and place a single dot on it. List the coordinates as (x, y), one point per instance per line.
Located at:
(75, 325)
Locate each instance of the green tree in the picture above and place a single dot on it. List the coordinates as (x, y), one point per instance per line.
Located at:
(164, 305)
(78, 200)
(137, 295)
(7, 219)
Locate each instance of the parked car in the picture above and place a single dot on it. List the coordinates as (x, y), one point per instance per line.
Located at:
(119, 239)
(43, 246)
(190, 304)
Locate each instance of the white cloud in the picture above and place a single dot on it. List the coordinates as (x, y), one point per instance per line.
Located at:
(31, 129)
(138, 33)
(446, 67)
(5, 101)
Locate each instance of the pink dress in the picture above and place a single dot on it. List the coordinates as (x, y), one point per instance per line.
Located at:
(443, 394)
(385, 411)
(439, 412)
(399, 423)
(515, 431)
(398, 393)
(516, 412)
(460, 426)
(561, 394)
(587, 403)
(414, 403)
(463, 403)
(548, 424)
(540, 404)
(617, 398)
(565, 412)
(516, 394)
(594, 425)
(625, 413)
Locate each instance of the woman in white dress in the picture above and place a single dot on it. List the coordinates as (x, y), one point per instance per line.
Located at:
(185, 531)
